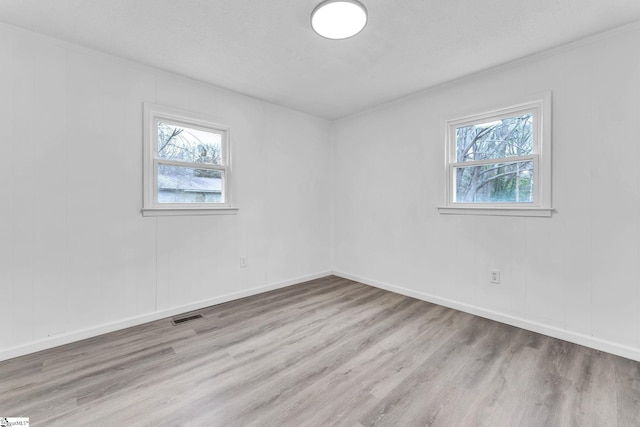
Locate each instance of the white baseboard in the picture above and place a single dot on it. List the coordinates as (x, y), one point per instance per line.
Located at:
(74, 336)
(552, 331)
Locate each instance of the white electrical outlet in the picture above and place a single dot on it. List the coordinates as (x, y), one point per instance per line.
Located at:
(243, 262)
(494, 276)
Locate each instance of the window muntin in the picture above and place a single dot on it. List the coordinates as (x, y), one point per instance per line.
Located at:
(500, 159)
(186, 162)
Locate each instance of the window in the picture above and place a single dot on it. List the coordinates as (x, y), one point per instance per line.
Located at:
(186, 168)
(498, 162)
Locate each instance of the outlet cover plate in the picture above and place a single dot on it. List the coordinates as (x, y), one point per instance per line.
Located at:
(494, 276)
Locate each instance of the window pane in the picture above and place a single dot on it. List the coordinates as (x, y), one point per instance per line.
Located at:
(178, 184)
(512, 136)
(495, 183)
(188, 144)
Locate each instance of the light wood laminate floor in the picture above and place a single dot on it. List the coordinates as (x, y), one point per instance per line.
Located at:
(326, 352)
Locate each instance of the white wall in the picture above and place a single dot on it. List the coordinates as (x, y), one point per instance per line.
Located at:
(76, 256)
(575, 275)
(78, 259)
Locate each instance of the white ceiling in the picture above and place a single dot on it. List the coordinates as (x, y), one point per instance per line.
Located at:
(267, 49)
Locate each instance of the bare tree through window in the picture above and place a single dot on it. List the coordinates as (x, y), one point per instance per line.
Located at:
(502, 180)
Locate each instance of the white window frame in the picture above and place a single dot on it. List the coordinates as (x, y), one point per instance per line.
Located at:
(152, 114)
(540, 108)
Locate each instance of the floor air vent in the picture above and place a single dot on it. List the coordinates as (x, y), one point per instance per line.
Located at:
(180, 320)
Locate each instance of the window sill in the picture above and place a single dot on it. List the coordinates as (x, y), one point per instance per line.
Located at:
(495, 211)
(187, 211)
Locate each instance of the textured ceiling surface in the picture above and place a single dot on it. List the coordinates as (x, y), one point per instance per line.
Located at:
(267, 49)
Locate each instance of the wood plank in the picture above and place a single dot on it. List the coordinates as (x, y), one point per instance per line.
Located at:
(325, 352)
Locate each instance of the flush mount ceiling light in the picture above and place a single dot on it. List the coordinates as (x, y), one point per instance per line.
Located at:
(339, 19)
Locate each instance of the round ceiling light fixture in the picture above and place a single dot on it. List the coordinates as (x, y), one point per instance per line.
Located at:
(339, 19)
